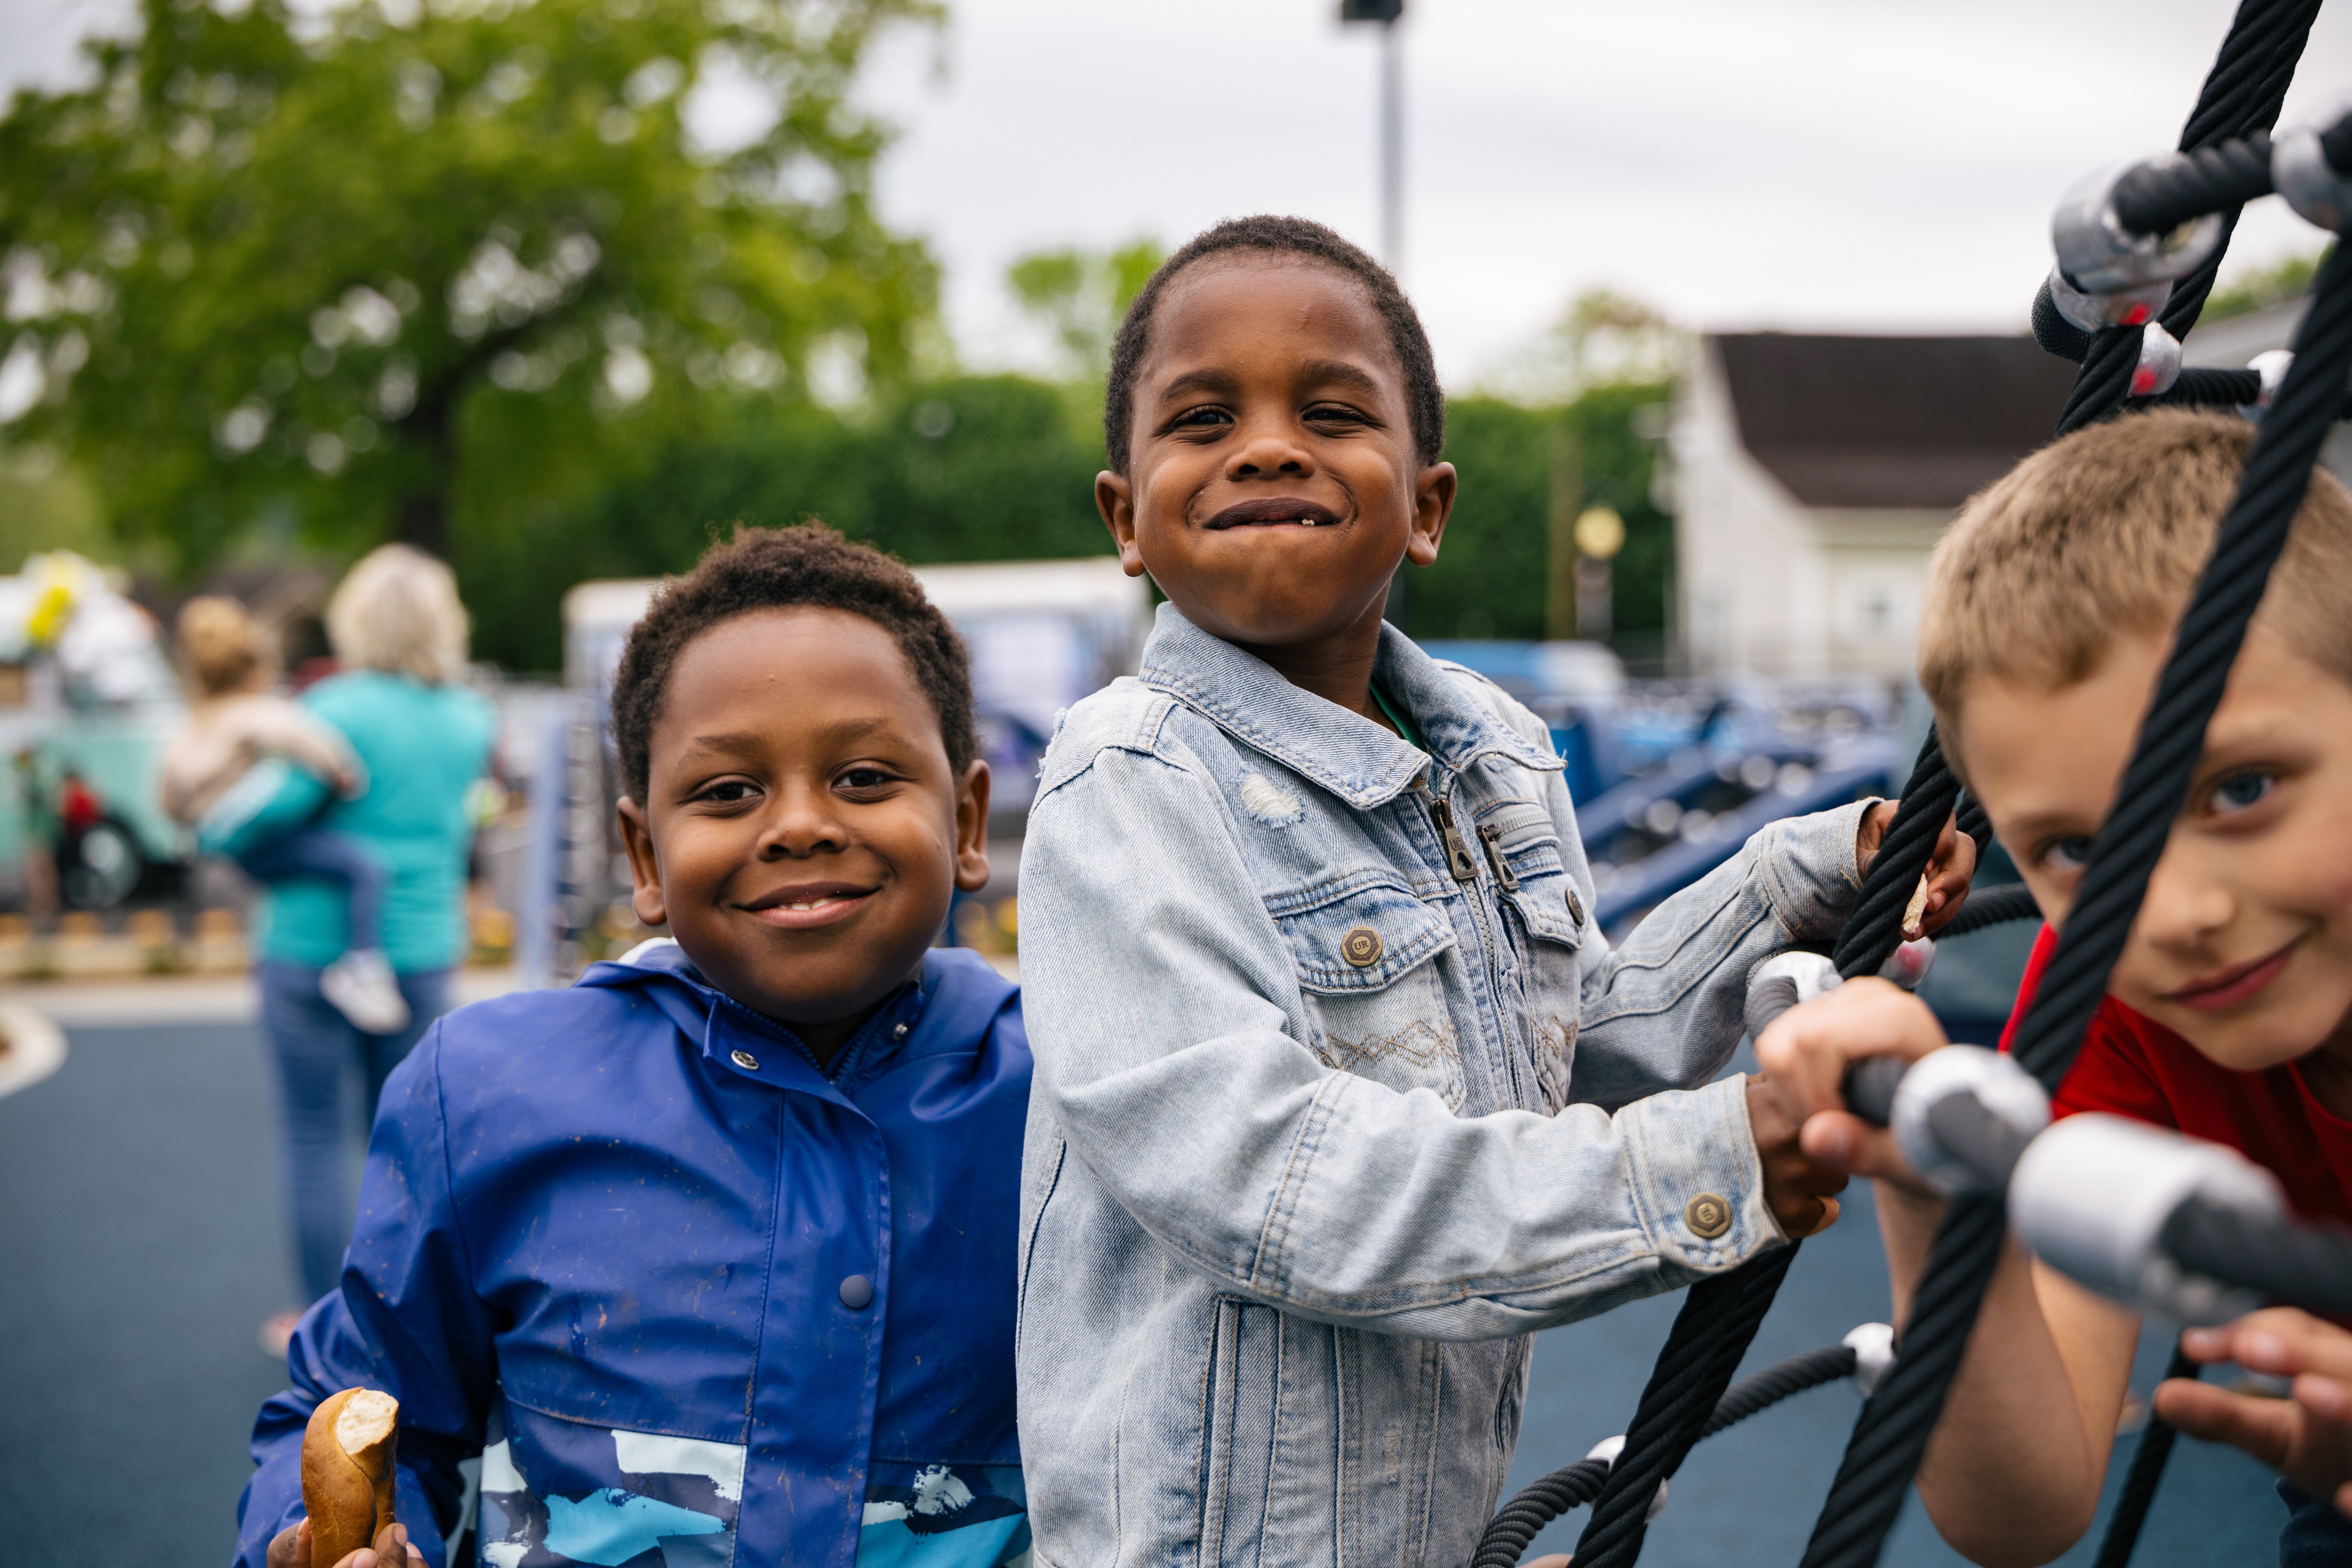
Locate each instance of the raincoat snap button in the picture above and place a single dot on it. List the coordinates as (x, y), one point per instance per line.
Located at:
(858, 1292)
(1361, 947)
(745, 1060)
(1707, 1214)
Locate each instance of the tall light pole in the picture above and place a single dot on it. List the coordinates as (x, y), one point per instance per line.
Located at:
(1386, 13)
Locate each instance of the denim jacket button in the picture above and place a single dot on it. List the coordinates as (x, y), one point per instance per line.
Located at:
(1707, 1214)
(745, 1060)
(858, 1292)
(1361, 947)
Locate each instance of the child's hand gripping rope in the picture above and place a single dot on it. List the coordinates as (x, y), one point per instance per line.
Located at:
(1942, 887)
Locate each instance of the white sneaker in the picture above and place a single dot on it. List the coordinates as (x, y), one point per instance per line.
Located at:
(360, 986)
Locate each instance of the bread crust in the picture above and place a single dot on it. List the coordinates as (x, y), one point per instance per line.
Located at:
(347, 1494)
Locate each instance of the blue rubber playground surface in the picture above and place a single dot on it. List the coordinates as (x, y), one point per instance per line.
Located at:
(142, 1242)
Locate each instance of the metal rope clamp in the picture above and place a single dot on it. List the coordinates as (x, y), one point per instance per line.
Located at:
(1963, 1115)
(2097, 257)
(1873, 1345)
(2313, 188)
(2092, 1197)
(2271, 367)
(2108, 276)
(1606, 1451)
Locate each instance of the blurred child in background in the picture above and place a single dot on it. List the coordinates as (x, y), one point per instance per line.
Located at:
(234, 720)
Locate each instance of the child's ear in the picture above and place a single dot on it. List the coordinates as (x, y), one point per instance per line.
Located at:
(1432, 503)
(644, 870)
(1115, 499)
(972, 829)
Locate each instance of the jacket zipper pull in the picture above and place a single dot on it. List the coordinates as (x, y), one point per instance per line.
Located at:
(1458, 859)
(1492, 837)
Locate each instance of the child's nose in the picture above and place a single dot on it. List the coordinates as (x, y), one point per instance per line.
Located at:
(2185, 904)
(1269, 453)
(803, 823)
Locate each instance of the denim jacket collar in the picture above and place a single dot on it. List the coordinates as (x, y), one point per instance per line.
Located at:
(1345, 753)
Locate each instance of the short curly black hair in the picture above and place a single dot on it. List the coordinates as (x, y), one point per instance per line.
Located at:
(1425, 399)
(776, 569)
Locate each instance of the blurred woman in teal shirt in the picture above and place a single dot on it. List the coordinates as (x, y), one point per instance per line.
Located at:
(399, 632)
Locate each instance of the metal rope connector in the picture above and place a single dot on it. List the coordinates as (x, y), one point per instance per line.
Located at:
(2159, 362)
(1606, 1451)
(2272, 368)
(2092, 311)
(2313, 186)
(2098, 255)
(1963, 1115)
(1873, 1345)
(2094, 1196)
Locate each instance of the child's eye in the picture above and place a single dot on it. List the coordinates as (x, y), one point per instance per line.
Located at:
(1208, 418)
(2241, 790)
(866, 778)
(2067, 855)
(727, 792)
(1335, 413)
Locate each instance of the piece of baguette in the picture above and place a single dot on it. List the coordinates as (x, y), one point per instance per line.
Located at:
(347, 1471)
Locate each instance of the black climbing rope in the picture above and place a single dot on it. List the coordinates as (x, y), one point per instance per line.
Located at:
(1572, 1485)
(1993, 907)
(2140, 1483)
(1723, 1313)
(2242, 96)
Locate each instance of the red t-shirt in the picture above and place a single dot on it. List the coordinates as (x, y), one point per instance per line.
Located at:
(2134, 1067)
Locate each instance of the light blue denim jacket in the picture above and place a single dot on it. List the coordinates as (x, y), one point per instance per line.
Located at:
(1334, 1107)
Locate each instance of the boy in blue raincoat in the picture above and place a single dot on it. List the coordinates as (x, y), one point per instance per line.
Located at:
(711, 1258)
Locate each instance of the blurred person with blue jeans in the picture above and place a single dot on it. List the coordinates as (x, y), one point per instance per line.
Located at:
(423, 739)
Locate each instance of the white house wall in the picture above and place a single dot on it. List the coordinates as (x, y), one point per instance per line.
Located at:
(1771, 586)
(1750, 588)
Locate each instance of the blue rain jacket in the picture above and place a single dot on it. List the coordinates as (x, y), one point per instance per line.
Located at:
(694, 1301)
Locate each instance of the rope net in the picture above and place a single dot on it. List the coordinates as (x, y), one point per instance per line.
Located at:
(2226, 148)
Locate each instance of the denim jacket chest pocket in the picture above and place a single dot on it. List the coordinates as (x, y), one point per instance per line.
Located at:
(1547, 931)
(1366, 952)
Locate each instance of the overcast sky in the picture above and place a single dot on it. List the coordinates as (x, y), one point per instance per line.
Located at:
(1856, 164)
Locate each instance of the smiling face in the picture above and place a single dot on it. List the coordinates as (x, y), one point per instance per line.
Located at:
(2243, 945)
(803, 827)
(1273, 483)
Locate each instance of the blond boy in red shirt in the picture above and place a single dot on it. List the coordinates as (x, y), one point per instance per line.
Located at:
(2049, 613)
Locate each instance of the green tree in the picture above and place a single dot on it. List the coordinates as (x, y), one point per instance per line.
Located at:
(1490, 576)
(381, 268)
(963, 468)
(1080, 296)
(2264, 288)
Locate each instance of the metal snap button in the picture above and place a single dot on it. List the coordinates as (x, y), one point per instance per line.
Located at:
(899, 1033)
(745, 1060)
(1361, 947)
(858, 1292)
(1707, 1214)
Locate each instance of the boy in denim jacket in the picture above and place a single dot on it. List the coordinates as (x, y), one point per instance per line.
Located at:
(1339, 1096)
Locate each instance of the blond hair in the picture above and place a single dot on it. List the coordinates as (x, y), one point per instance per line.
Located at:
(2103, 534)
(398, 610)
(221, 647)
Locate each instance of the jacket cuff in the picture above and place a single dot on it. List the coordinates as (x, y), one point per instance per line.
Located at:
(1809, 870)
(1698, 1184)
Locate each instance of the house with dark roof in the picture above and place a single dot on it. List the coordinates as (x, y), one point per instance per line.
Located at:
(1812, 474)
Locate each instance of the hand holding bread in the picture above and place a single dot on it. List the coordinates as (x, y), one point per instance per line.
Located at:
(292, 1549)
(347, 1453)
